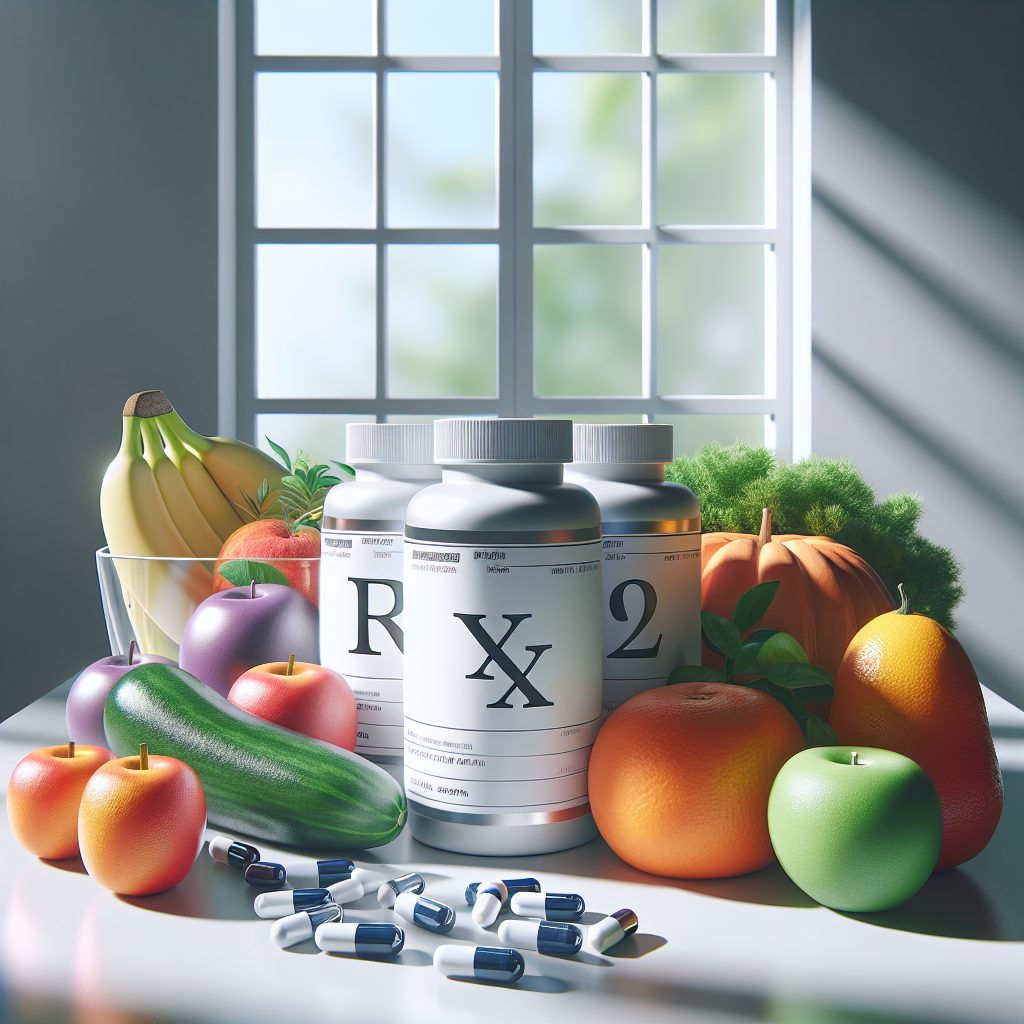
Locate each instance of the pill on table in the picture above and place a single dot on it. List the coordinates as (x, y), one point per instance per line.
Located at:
(286, 902)
(232, 852)
(481, 963)
(425, 912)
(489, 898)
(554, 906)
(288, 931)
(265, 874)
(613, 929)
(370, 940)
(543, 936)
(348, 890)
(409, 882)
(308, 874)
(513, 885)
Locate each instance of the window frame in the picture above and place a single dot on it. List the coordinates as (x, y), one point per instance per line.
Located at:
(786, 405)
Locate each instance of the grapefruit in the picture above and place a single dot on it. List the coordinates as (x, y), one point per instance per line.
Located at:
(680, 777)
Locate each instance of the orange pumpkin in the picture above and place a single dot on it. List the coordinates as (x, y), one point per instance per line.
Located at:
(827, 592)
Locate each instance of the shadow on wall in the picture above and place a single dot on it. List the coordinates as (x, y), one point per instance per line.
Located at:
(919, 358)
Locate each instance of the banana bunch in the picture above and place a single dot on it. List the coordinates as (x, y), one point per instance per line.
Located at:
(168, 495)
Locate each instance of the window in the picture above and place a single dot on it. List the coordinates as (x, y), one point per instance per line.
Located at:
(586, 208)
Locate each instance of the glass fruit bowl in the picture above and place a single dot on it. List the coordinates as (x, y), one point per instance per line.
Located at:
(149, 600)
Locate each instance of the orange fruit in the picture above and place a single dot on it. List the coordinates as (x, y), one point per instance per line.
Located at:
(141, 829)
(906, 684)
(44, 794)
(296, 554)
(680, 777)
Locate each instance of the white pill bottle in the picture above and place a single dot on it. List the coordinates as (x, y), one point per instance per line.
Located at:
(650, 557)
(361, 588)
(503, 642)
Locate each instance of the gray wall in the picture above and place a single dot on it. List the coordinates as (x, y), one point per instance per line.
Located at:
(108, 274)
(918, 271)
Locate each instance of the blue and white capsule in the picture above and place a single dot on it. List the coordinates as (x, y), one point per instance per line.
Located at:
(409, 882)
(489, 899)
(296, 928)
(232, 852)
(552, 906)
(284, 902)
(350, 889)
(612, 930)
(512, 885)
(427, 913)
(369, 941)
(480, 963)
(555, 937)
(265, 874)
(318, 874)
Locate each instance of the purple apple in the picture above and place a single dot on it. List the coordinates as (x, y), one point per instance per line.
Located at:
(84, 711)
(234, 630)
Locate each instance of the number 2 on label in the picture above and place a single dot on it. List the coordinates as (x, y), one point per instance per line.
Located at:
(617, 606)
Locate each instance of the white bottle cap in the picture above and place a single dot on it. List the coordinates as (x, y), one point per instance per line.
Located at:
(622, 442)
(219, 849)
(389, 442)
(498, 440)
(288, 931)
(519, 933)
(347, 891)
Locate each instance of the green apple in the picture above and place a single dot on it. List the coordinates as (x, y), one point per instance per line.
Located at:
(857, 828)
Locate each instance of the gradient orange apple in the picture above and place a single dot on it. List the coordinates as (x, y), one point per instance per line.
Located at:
(307, 698)
(44, 795)
(141, 823)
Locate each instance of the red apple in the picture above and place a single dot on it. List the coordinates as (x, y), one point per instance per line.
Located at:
(141, 823)
(270, 541)
(44, 795)
(312, 699)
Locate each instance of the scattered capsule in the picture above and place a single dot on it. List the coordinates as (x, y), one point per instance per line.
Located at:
(285, 902)
(489, 898)
(348, 890)
(481, 963)
(613, 929)
(427, 913)
(371, 941)
(513, 885)
(264, 874)
(322, 873)
(232, 852)
(288, 931)
(410, 882)
(553, 906)
(543, 936)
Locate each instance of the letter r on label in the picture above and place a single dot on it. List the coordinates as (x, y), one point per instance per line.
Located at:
(363, 615)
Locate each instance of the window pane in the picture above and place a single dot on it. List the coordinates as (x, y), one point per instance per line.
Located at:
(441, 150)
(442, 27)
(712, 26)
(316, 434)
(711, 315)
(587, 321)
(691, 432)
(317, 27)
(314, 150)
(587, 26)
(442, 320)
(315, 321)
(711, 149)
(587, 159)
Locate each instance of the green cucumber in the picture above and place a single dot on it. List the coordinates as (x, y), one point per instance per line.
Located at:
(259, 778)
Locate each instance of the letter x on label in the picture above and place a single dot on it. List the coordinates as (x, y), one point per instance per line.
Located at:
(496, 653)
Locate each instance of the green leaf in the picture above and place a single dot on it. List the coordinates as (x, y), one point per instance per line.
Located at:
(747, 658)
(813, 694)
(759, 636)
(282, 454)
(695, 674)
(240, 572)
(262, 491)
(752, 604)
(819, 733)
(792, 674)
(720, 634)
(343, 466)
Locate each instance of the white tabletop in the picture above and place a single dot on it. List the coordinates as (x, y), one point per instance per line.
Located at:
(753, 948)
